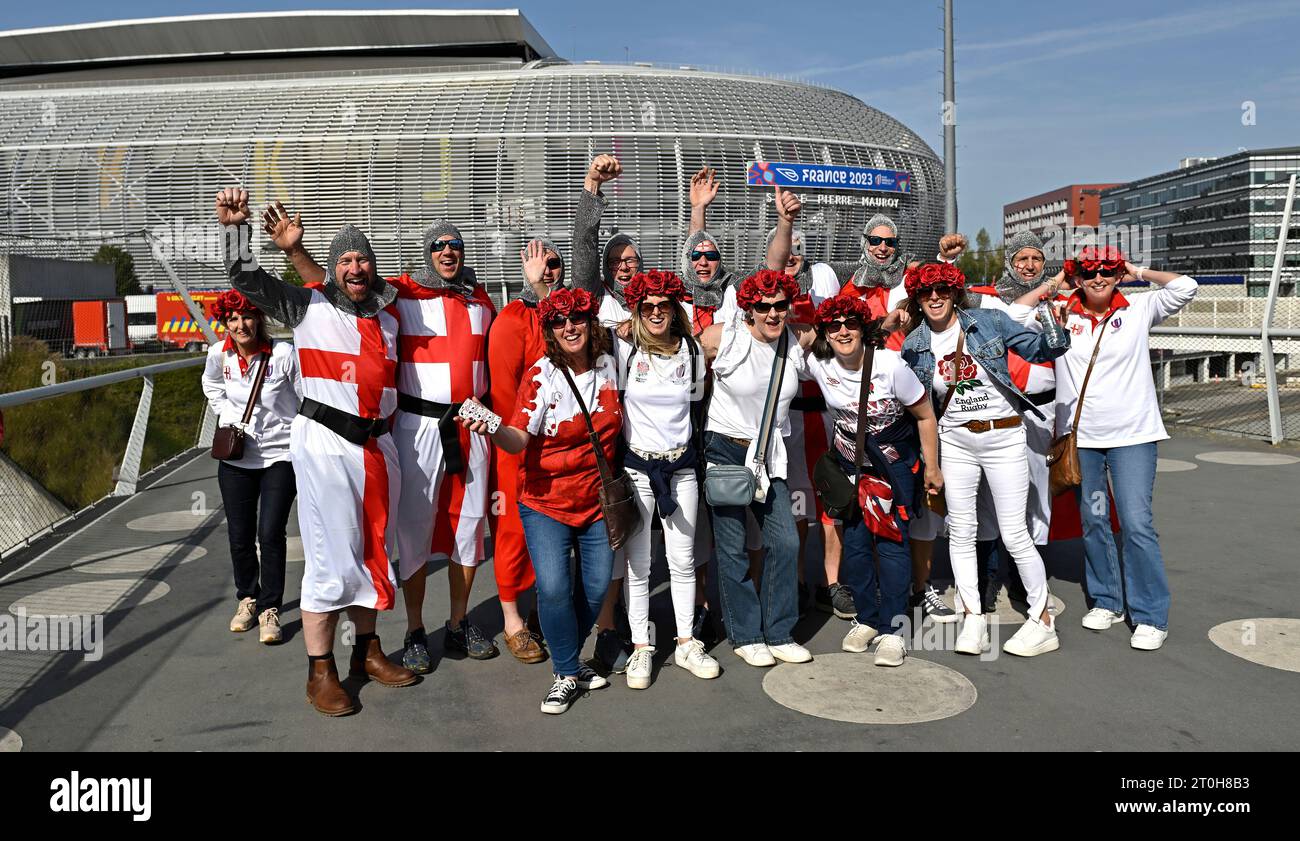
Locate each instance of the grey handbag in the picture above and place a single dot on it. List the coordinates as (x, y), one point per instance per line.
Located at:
(735, 484)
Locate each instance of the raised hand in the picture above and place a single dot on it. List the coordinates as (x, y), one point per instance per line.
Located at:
(952, 245)
(534, 260)
(787, 204)
(704, 187)
(604, 168)
(898, 319)
(232, 206)
(284, 231)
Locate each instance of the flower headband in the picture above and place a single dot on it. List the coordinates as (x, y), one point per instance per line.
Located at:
(916, 281)
(765, 284)
(230, 302)
(843, 306)
(654, 282)
(568, 303)
(1093, 259)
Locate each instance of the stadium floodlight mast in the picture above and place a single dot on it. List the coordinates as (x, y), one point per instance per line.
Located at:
(949, 125)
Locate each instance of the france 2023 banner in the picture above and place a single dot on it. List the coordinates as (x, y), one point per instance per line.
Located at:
(822, 177)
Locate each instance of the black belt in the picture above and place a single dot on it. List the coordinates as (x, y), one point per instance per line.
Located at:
(815, 403)
(350, 427)
(1042, 399)
(448, 430)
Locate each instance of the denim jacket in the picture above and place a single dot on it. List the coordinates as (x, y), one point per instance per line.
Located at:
(989, 335)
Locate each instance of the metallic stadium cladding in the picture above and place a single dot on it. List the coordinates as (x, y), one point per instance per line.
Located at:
(501, 152)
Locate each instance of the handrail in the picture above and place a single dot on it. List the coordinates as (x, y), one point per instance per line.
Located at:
(1234, 332)
(31, 395)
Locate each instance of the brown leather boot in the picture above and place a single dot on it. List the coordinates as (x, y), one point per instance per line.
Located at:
(369, 662)
(324, 692)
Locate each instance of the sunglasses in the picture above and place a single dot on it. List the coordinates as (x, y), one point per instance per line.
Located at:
(558, 321)
(763, 308)
(648, 309)
(453, 244)
(1089, 274)
(833, 327)
(892, 242)
(707, 255)
(628, 261)
(943, 290)
(554, 263)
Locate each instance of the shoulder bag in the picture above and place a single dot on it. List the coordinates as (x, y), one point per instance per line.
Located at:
(1063, 459)
(736, 484)
(228, 441)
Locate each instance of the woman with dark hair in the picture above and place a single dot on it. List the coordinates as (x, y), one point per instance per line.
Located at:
(559, 478)
(257, 490)
(1118, 427)
(893, 452)
(960, 356)
(662, 370)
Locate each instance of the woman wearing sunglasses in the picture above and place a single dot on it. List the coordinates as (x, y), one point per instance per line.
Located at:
(662, 370)
(1119, 426)
(981, 432)
(559, 477)
(743, 352)
(894, 449)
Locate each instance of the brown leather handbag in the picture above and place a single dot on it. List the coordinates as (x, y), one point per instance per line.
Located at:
(1063, 459)
(616, 493)
(228, 441)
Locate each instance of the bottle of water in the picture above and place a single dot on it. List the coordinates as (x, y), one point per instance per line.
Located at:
(1055, 332)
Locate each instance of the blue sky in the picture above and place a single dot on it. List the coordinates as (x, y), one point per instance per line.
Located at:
(1048, 94)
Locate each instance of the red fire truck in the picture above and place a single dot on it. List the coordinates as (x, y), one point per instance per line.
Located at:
(177, 328)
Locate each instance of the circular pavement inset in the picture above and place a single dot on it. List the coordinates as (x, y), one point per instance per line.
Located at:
(10, 742)
(1009, 612)
(91, 597)
(1247, 458)
(168, 521)
(139, 558)
(1173, 465)
(850, 687)
(1266, 642)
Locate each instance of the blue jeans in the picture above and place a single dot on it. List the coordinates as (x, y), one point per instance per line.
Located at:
(864, 551)
(1132, 480)
(566, 615)
(753, 616)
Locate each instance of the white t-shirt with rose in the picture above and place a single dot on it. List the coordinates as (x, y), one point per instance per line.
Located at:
(977, 396)
(893, 388)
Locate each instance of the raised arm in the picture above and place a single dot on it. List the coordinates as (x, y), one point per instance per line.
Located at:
(282, 301)
(586, 224)
(1174, 291)
(787, 210)
(286, 233)
(710, 337)
(704, 189)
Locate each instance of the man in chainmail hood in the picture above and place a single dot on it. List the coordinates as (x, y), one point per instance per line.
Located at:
(445, 269)
(706, 278)
(552, 278)
(1019, 280)
(873, 270)
(345, 461)
(617, 266)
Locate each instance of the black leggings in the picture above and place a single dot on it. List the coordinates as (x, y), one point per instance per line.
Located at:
(250, 524)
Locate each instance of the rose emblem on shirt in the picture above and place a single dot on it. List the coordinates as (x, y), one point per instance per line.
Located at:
(965, 376)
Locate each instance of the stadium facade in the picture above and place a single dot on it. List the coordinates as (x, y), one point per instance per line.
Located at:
(122, 132)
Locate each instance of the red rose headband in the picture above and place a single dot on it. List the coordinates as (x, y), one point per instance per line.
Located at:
(1093, 259)
(658, 283)
(566, 303)
(765, 284)
(843, 307)
(921, 279)
(230, 302)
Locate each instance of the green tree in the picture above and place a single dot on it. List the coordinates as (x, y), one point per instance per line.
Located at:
(290, 275)
(123, 268)
(982, 263)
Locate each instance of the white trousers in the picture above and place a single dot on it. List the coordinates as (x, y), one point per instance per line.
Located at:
(679, 546)
(1000, 456)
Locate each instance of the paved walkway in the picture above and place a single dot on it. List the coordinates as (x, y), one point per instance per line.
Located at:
(172, 677)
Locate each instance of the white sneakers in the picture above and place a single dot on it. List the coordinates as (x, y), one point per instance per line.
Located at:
(890, 650)
(758, 654)
(1099, 619)
(245, 616)
(974, 635)
(755, 654)
(859, 638)
(1148, 638)
(639, 667)
(1032, 639)
(791, 652)
(692, 657)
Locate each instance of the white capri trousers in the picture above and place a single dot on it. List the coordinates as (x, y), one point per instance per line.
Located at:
(679, 547)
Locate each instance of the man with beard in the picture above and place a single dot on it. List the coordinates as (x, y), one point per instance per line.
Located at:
(445, 314)
(345, 332)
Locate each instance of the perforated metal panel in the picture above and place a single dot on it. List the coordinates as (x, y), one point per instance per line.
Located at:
(501, 153)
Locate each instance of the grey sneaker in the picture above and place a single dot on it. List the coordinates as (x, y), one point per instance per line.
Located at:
(245, 616)
(469, 640)
(415, 652)
(586, 678)
(933, 605)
